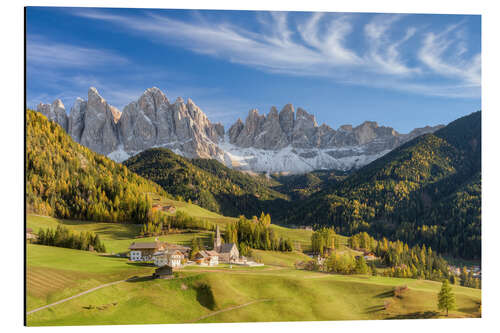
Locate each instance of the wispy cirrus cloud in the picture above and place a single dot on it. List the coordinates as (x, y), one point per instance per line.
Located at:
(384, 53)
(444, 53)
(317, 44)
(41, 51)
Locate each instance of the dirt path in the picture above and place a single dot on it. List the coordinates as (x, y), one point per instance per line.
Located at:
(234, 270)
(77, 295)
(231, 308)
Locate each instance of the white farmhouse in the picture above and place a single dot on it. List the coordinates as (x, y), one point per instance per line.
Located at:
(172, 258)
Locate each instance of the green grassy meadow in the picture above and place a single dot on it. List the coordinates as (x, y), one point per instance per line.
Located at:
(278, 295)
(274, 292)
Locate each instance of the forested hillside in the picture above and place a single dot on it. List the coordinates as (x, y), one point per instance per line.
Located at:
(207, 183)
(67, 180)
(427, 191)
(301, 186)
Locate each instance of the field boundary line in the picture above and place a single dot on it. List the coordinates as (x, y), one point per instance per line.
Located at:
(77, 295)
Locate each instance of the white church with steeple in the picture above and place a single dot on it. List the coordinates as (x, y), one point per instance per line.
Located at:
(228, 252)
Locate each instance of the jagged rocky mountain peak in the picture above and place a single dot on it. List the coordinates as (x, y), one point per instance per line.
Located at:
(289, 140)
(151, 121)
(273, 114)
(58, 104)
(94, 97)
(55, 111)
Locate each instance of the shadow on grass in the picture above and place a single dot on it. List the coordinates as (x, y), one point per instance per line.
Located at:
(469, 310)
(375, 308)
(417, 315)
(140, 264)
(386, 294)
(140, 279)
(112, 256)
(205, 296)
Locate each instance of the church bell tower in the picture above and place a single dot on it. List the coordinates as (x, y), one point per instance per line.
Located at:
(217, 240)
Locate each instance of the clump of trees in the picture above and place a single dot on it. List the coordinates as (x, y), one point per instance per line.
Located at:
(322, 240)
(160, 223)
(256, 233)
(346, 264)
(67, 180)
(63, 237)
(467, 279)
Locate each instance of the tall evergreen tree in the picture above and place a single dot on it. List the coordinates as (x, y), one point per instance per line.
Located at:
(446, 298)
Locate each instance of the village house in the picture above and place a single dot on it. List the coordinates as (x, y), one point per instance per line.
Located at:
(208, 258)
(183, 249)
(172, 258)
(144, 251)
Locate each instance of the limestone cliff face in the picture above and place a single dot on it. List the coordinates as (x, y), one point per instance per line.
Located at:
(100, 131)
(151, 121)
(55, 112)
(300, 130)
(285, 141)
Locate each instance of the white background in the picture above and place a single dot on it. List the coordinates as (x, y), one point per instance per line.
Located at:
(12, 169)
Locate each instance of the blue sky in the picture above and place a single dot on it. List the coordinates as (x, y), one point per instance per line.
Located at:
(403, 71)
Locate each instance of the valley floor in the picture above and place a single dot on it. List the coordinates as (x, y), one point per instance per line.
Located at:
(274, 292)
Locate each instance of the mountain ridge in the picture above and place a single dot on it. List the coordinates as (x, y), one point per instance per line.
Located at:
(285, 141)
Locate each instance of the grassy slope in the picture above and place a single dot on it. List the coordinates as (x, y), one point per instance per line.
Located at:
(56, 273)
(116, 237)
(289, 294)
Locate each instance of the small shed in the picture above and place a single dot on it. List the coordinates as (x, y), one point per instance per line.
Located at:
(163, 272)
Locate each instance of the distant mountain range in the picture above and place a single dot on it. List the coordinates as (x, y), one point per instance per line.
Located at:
(284, 141)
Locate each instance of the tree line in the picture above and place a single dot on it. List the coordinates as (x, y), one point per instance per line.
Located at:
(63, 237)
(256, 233)
(400, 260)
(161, 224)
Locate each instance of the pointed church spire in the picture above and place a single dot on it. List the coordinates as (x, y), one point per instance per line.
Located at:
(217, 240)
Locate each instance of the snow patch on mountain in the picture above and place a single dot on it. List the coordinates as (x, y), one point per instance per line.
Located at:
(293, 160)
